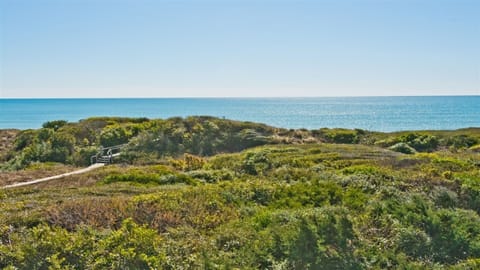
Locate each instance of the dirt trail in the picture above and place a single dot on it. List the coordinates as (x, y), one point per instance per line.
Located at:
(32, 182)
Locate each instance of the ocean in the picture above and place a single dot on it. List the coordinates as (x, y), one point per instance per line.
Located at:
(370, 113)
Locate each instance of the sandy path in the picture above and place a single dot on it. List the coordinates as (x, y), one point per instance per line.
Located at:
(84, 170)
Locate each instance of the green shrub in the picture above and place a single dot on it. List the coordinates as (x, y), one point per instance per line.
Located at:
(451, 164)
(130, 247)
(444, 197)
(81, 156)
(402, 148)
(202, 208)
(415, 243)
(63, 145)
(55, 125)
(114, 135)
(24, 139)
(211, 176)
(470, 191)
(318, 239)
(251, 138)
(45, 134)
(456, 236)
(461, 141)
(149, 178)
(422, 143)
(256, 163)
(341, 136)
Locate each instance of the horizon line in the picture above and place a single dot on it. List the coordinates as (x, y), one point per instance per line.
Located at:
(245, 97)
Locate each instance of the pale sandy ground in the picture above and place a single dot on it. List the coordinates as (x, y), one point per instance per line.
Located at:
(32, 182)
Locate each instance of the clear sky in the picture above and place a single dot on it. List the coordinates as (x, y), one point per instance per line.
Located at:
(200, 48)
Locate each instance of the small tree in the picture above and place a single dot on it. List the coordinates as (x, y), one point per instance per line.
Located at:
(55, 125)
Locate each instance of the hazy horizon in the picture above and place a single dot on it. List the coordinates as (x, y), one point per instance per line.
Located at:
(241, 97)
(209, 48)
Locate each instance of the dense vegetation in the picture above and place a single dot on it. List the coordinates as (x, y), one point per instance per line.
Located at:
(208, 193)
(152, 140)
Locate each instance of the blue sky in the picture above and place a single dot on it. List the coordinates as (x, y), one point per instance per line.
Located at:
(199, 48)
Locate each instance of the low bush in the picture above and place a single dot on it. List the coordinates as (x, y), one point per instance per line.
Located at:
(96, 212)
(461, 141)
(341, 136)
(212, 176)
(43, 247)
(149, 178)
(403, 148)
(55, 125)
(422, 143)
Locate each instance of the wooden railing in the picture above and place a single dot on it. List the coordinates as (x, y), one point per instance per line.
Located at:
(106, 154)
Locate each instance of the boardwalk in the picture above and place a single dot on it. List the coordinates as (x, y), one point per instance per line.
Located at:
(104, 156)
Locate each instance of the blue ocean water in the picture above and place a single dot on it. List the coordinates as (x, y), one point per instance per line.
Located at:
(371, 113)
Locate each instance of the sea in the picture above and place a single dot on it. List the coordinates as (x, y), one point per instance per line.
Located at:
(370, 113)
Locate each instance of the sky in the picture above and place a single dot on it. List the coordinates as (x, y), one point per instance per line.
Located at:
(238, 48)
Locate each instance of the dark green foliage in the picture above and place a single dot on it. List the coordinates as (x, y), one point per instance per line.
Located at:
(445, 198)
(455, 236)
(321, 238)
(45, 134)
(43, 145)
(114, 135)
(470, 191)
(63, 145)
(324, 241)
(81, 156)
(422, 143)
(151, 140)
(461, 141)
(162, 177)
(255, 163)
(55, 125)
(444, 236)
(24, 139)
(341, 135)
(414, 242)
(200, 136)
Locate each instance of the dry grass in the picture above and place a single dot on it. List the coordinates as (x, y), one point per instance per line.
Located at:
(33, 172)
(97, 211)
(7, 138)
(87, 179)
